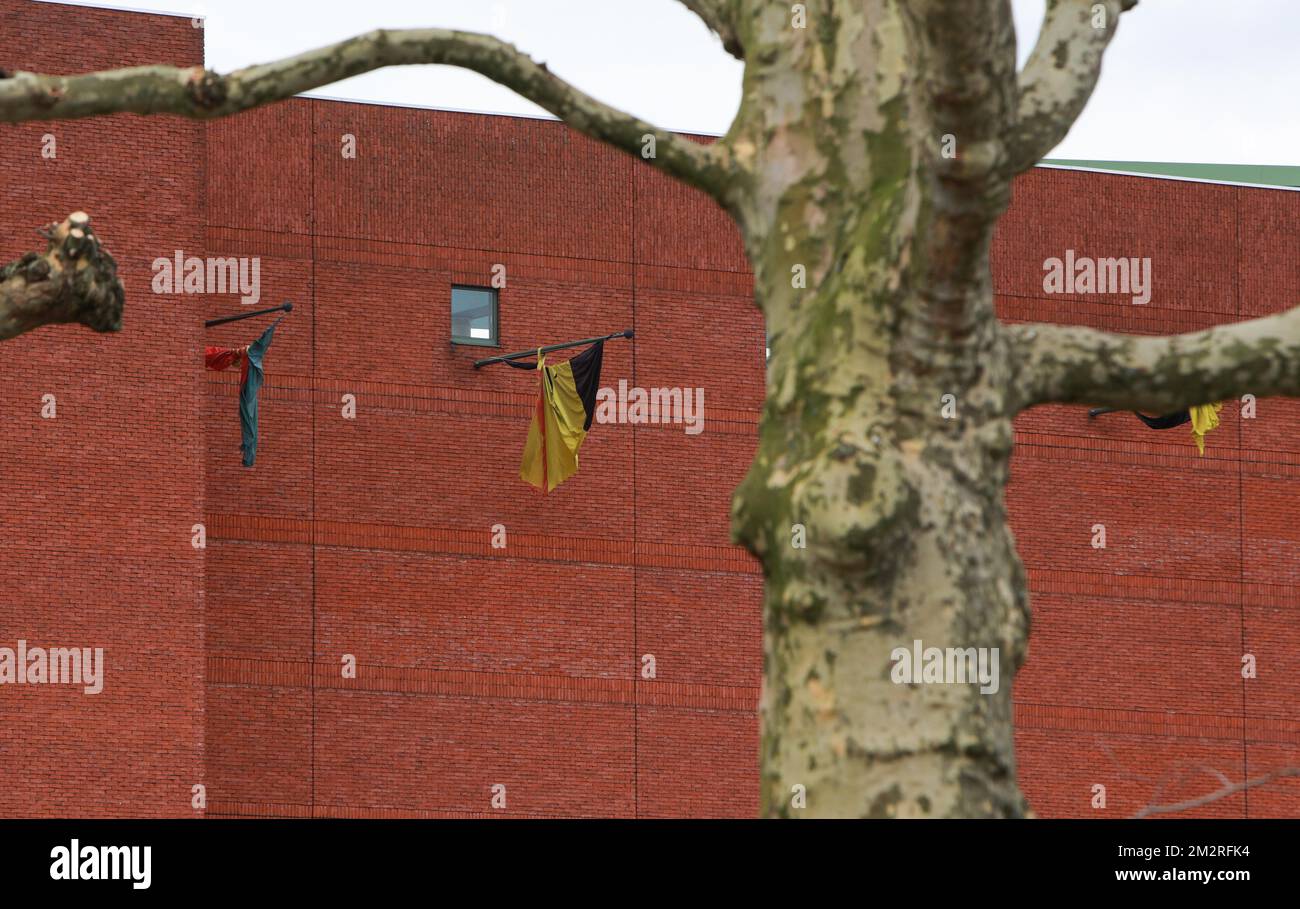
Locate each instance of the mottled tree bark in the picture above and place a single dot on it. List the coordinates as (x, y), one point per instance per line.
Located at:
(75, 280)
(906, 535)
(870, 160)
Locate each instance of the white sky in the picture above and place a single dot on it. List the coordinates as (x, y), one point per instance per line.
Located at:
(1184, 80)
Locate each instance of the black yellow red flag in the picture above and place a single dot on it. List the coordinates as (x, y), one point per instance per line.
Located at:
(1203, 417)
(566, 403)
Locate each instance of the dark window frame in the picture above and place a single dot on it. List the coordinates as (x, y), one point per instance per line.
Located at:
(495, 339)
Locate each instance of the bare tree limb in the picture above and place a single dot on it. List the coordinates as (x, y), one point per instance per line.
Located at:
(1110, 755)
(74, 281)
(1075, 365)
(1060, 74)
(719, 16)
(1224, 791)
(1180, 773)
(203, 94)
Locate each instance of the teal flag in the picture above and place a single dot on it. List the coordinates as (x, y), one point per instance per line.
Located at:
(248, 393)
(249, 359)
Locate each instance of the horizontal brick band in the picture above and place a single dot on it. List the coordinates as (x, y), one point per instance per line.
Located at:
(1221, 453)
(234, 241)
(1109, 312)
(547, 547)
(218, 808)
(626, 692)
(473, 264)
(1227, 592)
(1161, 450)
(390, 396)
(1161, 723)
(1129, 587)
(224, 670)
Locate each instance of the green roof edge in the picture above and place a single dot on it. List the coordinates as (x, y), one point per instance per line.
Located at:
(1253, 174)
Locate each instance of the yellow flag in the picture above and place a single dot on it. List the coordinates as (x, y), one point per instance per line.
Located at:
(1204, 418)
(561, 419)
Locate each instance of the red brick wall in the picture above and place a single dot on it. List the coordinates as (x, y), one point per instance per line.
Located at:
(99, 501)
(1134, 673)
(371, 537)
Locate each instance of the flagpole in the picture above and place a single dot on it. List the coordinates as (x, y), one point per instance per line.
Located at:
(1098, 411)
(532, 353)
(286, 306)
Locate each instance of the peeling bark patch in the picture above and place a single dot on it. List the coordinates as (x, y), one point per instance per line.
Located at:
(1061, 54)
(207, 89)
(983, 796)
(862, 483)
(885, 804)
(52, 95)
(38, 270)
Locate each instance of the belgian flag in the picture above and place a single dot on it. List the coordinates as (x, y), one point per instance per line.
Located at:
(566, 403)
(1203, 417)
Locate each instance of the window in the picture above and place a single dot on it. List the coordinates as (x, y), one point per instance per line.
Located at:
(474, 316)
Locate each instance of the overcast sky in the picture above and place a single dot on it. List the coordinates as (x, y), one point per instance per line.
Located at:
(1184, 80)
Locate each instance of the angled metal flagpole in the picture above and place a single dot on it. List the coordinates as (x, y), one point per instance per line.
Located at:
(285, 306)
(532, 353)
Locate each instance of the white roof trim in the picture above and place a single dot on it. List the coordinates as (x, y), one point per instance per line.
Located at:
(691, 132)
(313, 95)
(121, 9)
(1149, 176)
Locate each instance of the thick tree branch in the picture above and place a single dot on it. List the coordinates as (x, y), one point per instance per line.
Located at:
(720, 17)
(203, 94)
(1076, 365)
(1060, 74)
(74, 281)
(967, 95)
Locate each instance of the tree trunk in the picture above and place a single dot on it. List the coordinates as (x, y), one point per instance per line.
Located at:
(895, 490)
(870, 159)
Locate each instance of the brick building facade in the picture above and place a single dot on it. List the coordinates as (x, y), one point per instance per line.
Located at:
(370, 538)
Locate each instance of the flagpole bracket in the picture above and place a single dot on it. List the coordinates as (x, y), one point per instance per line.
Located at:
(286, 306)
(533, 351)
